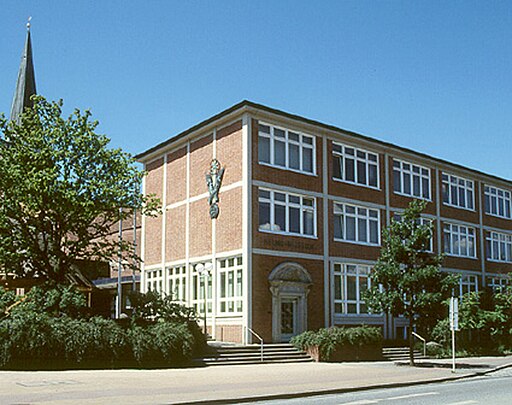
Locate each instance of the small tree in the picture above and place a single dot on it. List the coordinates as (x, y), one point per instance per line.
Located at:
(407, 279)
(61, 191)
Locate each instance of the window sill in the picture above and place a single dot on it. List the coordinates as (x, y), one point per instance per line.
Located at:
(461, 257)
(497, 216)
(287, 169)
(352, 242)
(460, 208)
(353, 183)
(497, 261)
(412, 196)
(288, 234)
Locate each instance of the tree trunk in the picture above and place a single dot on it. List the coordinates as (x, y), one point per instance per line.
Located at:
(411, 341)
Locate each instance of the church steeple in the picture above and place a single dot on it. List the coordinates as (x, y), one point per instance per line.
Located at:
(26, 84)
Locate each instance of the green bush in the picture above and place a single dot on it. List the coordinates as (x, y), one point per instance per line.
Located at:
(346, 339)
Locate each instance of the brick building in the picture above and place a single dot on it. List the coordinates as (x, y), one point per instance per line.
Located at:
(302, 206)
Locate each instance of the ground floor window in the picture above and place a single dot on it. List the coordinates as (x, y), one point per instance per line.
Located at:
(468, 283)
(154, 280)
(201, 287)
(230, 285)
(497, 283)
(178, 283)
(350, 282)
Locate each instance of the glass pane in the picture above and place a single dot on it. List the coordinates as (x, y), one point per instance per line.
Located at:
(372, 175)
(361, 172)
(396, 181)
(293, 157)
(337, 287)
(416, 185)
(361, 228)
(352, 308)
(307, 160)
(264, 149)
(337, 164)
(280, 218)
(407, 183)
(264, 128)
(294, 217)
(338, 226)
(222, 285)
(292, 136)
(286, 317)
(374, 232)
(278, 133)
(264, 216)
(309, 223)
(351, 288)
(350, 228)
(349, 169)
(279, 153)
(425, 188)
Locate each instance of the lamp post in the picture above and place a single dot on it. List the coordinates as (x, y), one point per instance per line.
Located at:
(203, 270)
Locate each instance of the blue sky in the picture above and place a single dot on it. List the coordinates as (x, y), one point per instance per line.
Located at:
(434, 76)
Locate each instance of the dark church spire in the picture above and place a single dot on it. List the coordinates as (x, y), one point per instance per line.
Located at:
(26, 84)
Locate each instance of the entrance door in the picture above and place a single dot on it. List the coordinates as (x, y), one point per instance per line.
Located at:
(288, 319)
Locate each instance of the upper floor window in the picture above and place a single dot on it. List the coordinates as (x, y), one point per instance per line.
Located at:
(286, 149)
(458, 191)
(499, 247)
(459, 240)
(350, 283)
(421, 221)
(356, 224)
(410, 179)
(286, 213)
(355, 165)
(497, 202)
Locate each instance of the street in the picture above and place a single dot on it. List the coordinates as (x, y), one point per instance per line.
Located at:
(494, 388)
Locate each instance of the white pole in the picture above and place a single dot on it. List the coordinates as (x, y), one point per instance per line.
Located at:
(119, 306)
(453, 350)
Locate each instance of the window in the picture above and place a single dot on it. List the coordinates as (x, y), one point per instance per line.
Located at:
(498, 283)
(468, 284)
(497, 202)
(286, 149)
(356, 224)
(421, 221)
(499, 247)
(198, 288)
(350, 282)
(154, 280)
(178, 283)
(458, 192)
(230, 285)
(411, 180)
(459, 240)
(355, 165)
(286, 213)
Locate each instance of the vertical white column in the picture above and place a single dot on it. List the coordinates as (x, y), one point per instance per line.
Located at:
(188, 297)
(481, 230)
(247, 226)
(142, 286)
(386, 188)
(438, 212)
(164, 225)
(214, 252)
(328, 319)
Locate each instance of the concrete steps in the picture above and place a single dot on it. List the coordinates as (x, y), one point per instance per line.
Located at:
(251, 354)
(401, 354)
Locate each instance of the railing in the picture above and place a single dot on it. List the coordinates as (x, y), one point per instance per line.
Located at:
(424, 343)
(259, 338)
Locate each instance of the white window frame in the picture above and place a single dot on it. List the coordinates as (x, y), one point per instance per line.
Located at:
(287, 204)
(302, 144)
(459, 231)
(397, 216)
(453, 186)
(497, 195)
(177, 278)
(197, 288)
(499, 245)
(498, 283)
(340, 275)
(359, 156)
(230, 269)
(412, 173)
(340, 214)
(467, 282)
(155, 280)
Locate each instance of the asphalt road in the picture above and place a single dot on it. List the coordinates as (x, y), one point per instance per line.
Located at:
(492, 389)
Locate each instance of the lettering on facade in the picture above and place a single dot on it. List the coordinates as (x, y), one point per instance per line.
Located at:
(300, 246)
(214, 181)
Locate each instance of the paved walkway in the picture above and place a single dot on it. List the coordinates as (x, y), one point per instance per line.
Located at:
(220, 383)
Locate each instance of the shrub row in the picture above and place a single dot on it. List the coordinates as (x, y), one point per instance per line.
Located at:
(31, 340)
(342, 343)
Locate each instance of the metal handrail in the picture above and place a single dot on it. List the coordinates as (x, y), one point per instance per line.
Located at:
(259, 338)
(424, 342)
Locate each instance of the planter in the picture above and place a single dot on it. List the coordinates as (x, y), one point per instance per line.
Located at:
(348, 353)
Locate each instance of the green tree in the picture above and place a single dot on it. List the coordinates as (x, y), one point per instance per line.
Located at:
(62, 188)
(407, 279)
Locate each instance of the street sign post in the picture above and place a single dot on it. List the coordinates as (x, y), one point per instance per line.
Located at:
(454, 325)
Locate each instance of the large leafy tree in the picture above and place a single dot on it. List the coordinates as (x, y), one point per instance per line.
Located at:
(407, 279)
(61, 189)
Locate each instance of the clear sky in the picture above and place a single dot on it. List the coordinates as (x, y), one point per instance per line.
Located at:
(433, 76)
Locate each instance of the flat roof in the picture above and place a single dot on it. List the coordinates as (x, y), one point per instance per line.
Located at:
(251, 104)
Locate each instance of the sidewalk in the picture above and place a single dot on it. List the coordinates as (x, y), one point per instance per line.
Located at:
(222, 384)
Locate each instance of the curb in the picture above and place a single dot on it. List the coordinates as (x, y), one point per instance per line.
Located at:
(306, 394)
